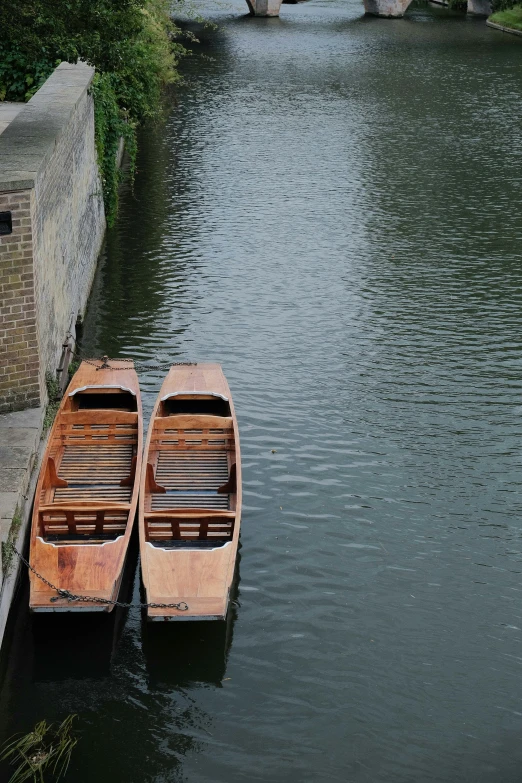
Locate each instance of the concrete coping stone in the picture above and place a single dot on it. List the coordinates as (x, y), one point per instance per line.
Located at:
(503, 28)
(29, 140)
(20, 433)
(31, 417)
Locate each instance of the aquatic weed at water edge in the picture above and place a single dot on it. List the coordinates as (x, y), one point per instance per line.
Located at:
(46, 749)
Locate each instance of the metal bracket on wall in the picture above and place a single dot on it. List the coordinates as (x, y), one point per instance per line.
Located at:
(68, 346)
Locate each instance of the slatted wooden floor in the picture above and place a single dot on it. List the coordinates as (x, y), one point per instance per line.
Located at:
(94, 473)
(191, 479)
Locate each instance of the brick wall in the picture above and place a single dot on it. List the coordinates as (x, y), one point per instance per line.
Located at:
(19, 363)
(49, 181)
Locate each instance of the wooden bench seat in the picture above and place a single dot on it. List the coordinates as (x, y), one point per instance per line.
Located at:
(97, 472)
(98, 427)
(95, 451)
(192, 433)
(189, 524)
(191, 478)
(87, 518)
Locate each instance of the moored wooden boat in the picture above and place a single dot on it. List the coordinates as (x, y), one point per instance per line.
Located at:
(87, 492)
(190, 496)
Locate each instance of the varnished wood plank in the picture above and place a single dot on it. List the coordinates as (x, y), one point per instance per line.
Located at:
(151, 483)
(98, 416)
(103, 456)
(182, 421)
(191, 457)
(51, 478)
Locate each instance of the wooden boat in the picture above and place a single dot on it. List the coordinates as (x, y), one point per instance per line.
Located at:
(87, 492)
(190, 496)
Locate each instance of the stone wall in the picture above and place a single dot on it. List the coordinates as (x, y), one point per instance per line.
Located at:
(50, 184)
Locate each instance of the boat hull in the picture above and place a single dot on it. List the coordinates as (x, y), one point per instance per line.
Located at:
(87, 493)
(197, 574)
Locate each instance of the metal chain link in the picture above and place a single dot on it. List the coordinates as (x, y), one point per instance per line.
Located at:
(181, 606)
(137, 365)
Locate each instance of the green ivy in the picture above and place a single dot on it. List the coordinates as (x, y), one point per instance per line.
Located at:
(53, 399)
(514, 18)
(111, 126)
(126, 96)
(133, 46)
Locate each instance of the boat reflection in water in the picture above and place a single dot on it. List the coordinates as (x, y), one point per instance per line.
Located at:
(115, 671)
(72, 647)
(80, 646)
(182, 654)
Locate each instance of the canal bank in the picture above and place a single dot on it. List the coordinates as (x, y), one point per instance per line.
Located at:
(22, 443)
(509, 21)
(52, 224)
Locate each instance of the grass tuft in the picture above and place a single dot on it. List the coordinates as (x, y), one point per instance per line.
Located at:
(54, 395)
(74, 365)
(7, 546)
(46, 749)
(511, 17)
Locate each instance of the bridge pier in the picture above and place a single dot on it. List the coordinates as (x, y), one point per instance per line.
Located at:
(390, 9)
(264, 7)
(480, 7)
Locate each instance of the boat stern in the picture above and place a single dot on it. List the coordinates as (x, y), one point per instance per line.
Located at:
(93, 572)
(49, 601)
(199, 609)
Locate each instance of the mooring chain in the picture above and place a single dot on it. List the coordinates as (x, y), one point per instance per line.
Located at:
(137, 366)
(181, 606)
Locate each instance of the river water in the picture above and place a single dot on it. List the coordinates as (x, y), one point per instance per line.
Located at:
(331, 209)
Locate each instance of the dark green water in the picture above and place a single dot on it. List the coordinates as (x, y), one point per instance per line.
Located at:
(332, 211)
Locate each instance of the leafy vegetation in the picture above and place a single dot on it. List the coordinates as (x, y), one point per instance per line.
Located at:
(19, 80)
(131, 43)
(47, 748)
(508, 17)
(73, 366)
(457, 5)
(54, 397)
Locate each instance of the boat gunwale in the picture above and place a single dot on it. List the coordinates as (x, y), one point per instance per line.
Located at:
(81, 544)
(180, 552)
(188, 549)
(115, 564)
(101, 386)
(196, 393)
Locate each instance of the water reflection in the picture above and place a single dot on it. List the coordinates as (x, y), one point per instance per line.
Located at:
(130, 302)
(186, 654)
(194, 654)
(128, 680)
(72, 648)
(328, 211)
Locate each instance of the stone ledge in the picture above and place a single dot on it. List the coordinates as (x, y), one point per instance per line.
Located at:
(15, 445)
(29, 418)
(14, 479)
(8, 504)
(21, 449)
(20, 436)
(503, 29)
(31, 137)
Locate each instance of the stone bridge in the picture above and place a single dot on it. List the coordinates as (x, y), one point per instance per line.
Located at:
(390, 9)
